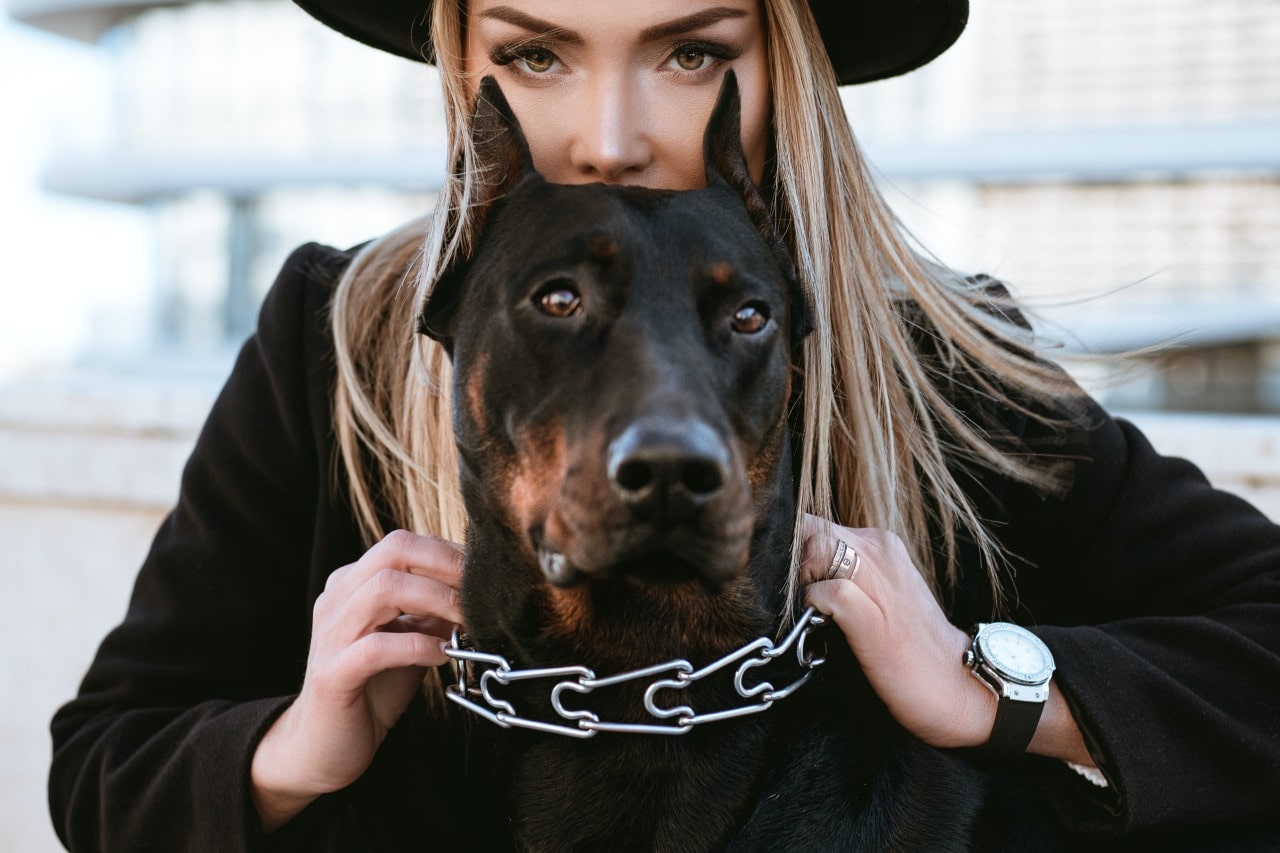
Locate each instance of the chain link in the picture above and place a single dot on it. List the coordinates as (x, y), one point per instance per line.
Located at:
(478, 672)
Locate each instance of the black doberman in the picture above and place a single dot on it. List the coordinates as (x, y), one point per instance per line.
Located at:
(625, 373)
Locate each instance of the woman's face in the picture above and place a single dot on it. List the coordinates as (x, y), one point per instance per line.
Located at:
(620, 91)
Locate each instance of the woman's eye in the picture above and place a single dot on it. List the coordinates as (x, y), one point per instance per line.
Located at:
(558, 302)
(537, 60)
(751, 318)
(526, 58)
(702, 55)
(691, 58)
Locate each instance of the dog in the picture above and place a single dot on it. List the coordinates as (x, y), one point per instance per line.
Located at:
(626, 367)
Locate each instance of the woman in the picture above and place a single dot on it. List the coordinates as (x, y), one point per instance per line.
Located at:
(1158, 597)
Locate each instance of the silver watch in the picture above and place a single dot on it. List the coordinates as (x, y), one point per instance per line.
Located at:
(1016, 665)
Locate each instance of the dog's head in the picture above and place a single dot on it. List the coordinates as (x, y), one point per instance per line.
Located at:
(623, 363)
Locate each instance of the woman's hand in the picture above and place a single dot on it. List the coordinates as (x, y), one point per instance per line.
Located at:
(911, 654)
(375, 630)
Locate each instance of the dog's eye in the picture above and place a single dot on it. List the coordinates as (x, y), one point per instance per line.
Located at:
(751, 318)
(558, 300)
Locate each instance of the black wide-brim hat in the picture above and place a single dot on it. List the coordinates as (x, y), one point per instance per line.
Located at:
(866, 39)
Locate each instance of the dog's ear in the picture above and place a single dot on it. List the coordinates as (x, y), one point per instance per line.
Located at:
(726, 165)
(438, 314)
(722, 154)
(801, 308)
(502, 152)
(502, 161)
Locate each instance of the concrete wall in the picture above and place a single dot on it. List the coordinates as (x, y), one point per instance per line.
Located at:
(86, 474)
(1240, 454)
(88, 467)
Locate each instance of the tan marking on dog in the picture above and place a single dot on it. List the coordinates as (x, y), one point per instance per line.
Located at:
(475, 394)
(721, 273)
(621, 635)
(557, 531)
(539, 472)
(501, 470)
(570, 608)
(570, 611)
(601, 247)
(762, 467)
(716, 625)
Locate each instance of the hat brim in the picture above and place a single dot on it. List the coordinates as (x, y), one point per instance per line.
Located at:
(865, 39)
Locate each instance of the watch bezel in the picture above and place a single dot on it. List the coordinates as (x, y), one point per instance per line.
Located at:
(983, 654)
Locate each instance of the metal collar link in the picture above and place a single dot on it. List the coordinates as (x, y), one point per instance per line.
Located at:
(478, 672)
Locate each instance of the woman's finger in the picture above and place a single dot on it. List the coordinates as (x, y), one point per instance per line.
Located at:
(906, 647)
(387, 650)
(383, 598)
(429, 556)
(849, 605)
(831, 551)
(344, 676)
(425, 556)
(432, 625)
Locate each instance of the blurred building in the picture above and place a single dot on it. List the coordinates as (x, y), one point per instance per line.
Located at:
(245, 129)
(1072, 148)
(242, 129)
(1130, 149)
(1076, 149)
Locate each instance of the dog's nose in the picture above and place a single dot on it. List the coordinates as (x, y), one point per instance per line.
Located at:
(667, 469)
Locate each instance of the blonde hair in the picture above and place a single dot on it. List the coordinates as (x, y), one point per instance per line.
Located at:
(882, 432)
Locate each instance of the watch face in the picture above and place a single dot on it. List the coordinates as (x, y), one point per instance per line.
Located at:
(1017, 653)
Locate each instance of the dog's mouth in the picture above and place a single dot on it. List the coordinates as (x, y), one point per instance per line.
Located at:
(654, 567)
(659, 567)
(633, 595)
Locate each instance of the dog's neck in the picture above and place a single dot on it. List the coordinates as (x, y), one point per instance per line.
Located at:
(572, 794)
(629, 792)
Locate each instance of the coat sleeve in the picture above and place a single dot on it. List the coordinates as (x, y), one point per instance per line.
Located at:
(1160, 599)
(154, 752)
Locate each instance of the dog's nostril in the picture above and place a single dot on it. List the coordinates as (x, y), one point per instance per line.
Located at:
(667, 470)
(633, 476)
(701, 477)
(698, 476)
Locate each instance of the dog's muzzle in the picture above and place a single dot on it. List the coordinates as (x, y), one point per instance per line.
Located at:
(666, 469)
(672, 505)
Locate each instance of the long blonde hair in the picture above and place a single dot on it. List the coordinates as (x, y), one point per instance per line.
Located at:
(882, 434)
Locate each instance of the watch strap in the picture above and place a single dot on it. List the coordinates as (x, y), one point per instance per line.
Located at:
(1014, 727)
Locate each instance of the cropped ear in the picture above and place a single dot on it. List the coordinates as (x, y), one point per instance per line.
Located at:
(726, 165)
(801, 308)
(502, 162)
(502, 152)
(722, 153)
(440, 312)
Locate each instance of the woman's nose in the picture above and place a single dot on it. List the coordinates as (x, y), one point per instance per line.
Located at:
(609, 142)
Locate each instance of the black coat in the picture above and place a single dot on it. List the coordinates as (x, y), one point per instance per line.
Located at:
(1159, 596)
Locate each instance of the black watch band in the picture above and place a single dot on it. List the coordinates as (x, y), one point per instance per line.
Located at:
(1014, 727)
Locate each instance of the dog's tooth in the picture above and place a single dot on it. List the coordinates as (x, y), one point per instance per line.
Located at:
(556, 568)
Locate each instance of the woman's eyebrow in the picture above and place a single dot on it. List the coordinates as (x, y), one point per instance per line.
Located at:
(543, 28)
(658, 32)
(696, 21)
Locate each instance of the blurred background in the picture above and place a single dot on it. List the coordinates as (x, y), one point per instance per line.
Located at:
(1117, 163)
